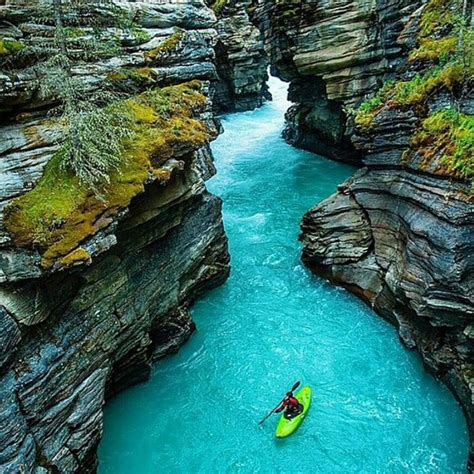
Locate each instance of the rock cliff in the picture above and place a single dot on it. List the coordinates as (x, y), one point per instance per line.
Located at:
(333, 54)
(91, 295)
(241, 60)
(399, 232)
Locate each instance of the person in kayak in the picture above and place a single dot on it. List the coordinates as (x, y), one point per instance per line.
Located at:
(291, 405)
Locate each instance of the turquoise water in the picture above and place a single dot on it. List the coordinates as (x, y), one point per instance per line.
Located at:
(375, 409)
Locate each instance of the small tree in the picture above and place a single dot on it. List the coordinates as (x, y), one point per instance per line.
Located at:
(92, 142)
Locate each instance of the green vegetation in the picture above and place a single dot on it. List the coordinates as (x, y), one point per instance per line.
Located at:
(10, 47)
(73, 32)
(437, 16)
(443, 140)
(403, 94)
(92, 136)
(437, 44)
(417, 90)
(76, 257)
(140, 35)
(434, 49)
(62, 211)
(219, 5)
(168, 46)
(438, 32)
(137, 78)
(367, 111)
(449, 136)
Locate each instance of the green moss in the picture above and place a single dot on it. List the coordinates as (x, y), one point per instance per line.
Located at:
(417, 90)
(76, 257)
(9, 47)
(441, 27)
(438, 16)
(168, 46)
(219, 5)
(447, 135)
(434, 49)
(138, 76)
(365, 114)
(72, 32)
(404, 94)
(60, 212)
(140, 35)
(443, 142)
(367, 111)
(443, 39)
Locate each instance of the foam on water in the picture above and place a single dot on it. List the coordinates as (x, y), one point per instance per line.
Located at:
(375, 409)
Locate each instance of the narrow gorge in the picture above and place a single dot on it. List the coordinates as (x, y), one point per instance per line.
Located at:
(109, 233)
(389, 83)
(375, 407)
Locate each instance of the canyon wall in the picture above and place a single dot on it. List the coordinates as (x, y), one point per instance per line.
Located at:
(399, 232)
(85, 315)
(241, 60)
(333, 54)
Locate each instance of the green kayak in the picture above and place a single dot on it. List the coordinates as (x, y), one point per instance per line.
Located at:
(287, 427)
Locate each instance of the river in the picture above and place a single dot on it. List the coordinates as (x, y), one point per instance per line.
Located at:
(375, 409)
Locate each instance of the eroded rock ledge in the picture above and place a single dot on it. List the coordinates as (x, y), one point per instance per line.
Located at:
(241, 59)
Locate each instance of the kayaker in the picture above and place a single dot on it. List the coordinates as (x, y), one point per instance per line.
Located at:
(291, 405)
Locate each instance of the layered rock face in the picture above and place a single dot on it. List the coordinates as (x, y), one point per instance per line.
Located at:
(77, 331)
(70, 340)
(333, 53)
(402, 241)
(399, 232)
(240, 59)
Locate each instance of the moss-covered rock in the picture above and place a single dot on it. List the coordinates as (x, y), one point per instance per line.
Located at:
(434, 49)
(446, 137)
(442, 142)
(133, 79)
(9, 47)
(416, 91)
(76, 257)
(167, 47)
(438, 31)
(61, 212)
(219, 5)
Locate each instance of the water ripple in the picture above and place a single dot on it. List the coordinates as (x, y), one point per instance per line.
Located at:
(375, 410)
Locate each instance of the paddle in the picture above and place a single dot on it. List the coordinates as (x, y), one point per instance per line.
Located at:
(295, 386)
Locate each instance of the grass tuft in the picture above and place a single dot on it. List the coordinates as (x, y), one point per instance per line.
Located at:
(166, 47)
(219, 5)
(10, 47)
(448, 136)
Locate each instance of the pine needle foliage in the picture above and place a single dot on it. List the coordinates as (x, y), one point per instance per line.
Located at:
(91, 143)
